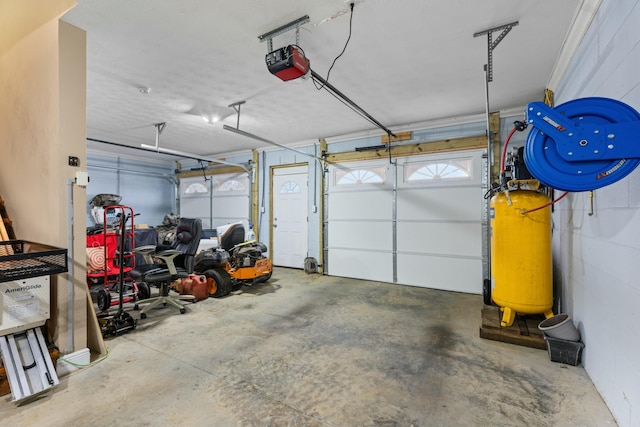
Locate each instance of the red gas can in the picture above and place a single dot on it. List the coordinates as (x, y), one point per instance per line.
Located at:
(196, 285)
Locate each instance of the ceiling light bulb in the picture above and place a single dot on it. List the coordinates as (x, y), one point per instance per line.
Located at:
(210, 118)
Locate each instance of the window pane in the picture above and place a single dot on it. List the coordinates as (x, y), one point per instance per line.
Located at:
(290, 187)
(373, 175)
(196, 187)
(229, 185)
(438, 170)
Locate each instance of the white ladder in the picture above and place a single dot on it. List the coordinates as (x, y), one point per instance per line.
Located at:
(28, 365)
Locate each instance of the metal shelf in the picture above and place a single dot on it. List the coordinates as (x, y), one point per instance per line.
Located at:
(28, 259)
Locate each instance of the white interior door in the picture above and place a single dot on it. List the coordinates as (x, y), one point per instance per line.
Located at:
(289, 221)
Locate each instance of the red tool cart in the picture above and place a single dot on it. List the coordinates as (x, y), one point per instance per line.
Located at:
(105, 263)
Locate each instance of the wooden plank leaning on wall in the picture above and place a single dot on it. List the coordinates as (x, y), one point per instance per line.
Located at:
(6, 230)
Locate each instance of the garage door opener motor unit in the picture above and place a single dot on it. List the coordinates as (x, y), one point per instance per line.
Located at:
(287, 63)
(290, 62)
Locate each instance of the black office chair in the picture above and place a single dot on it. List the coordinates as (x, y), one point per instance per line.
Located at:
(175, 262)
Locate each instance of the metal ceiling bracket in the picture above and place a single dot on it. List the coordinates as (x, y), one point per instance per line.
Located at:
(488, 77)
(293, 25)
(236, 107)
(159, 128)
(492, 44)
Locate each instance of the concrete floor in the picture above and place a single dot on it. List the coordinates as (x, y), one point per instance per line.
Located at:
(311, 350)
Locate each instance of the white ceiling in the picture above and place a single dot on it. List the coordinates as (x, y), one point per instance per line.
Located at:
(407, 62)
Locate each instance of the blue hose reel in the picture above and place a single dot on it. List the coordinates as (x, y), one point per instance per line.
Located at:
(582, 145)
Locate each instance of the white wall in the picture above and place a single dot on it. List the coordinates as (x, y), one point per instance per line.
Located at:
(148, 187)
(597, 258)
(42, 122)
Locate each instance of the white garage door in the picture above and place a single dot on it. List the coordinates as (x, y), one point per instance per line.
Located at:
(359, 216)
(220, 200)
(435, 240)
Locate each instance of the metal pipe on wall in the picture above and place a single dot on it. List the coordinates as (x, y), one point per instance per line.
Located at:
(119, 169)
(210, 203)
(324, 262)
(315, 180)
(70, 275)
(118, 189)
(176, 189)
(394, 224)
(264, 183)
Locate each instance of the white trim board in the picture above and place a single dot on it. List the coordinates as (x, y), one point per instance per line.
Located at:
(80, 357)
(579, 26)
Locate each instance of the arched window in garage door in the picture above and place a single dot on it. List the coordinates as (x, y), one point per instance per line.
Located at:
(222, 199)
(438, 170)
(228, 185)
(359, 176)
(369, 175)
(195, 187)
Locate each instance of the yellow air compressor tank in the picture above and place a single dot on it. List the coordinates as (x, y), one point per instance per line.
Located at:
(521, 265)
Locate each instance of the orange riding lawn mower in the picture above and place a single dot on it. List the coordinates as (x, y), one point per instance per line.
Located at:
(232, 264)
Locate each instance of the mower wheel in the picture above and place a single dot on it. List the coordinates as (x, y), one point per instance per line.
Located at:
(218, 282)
(104, 299)
(143, 291)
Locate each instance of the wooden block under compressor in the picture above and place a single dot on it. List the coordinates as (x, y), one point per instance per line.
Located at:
(524, 330)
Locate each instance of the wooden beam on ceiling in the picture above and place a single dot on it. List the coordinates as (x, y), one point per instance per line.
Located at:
(213, 171)
(400, 136)
(446, 145)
